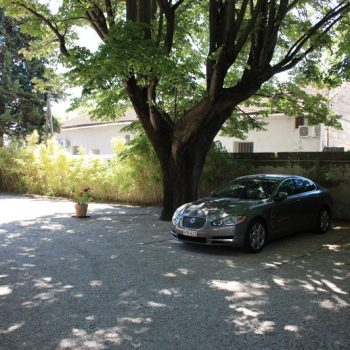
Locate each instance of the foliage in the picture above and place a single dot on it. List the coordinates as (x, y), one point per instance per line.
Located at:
(324, 174)
(220, 167)
(188, 66)
(138, 162)
(81, 197)
(126, 50)
(21, 105)
(131, 176)
(47, 169)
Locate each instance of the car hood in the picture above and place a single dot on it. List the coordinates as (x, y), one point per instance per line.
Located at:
(213, 208)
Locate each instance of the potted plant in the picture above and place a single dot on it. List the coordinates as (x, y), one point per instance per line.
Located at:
(81, 198)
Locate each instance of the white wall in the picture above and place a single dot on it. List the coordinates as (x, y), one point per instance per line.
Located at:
(93, 137)
(340, 103)
(280, 136)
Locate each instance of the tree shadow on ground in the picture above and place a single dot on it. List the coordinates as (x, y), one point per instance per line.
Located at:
(116, 280)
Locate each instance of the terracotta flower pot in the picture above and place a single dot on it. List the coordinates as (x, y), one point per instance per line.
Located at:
(81, 210)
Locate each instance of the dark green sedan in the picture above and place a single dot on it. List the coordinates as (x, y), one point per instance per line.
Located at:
(250, 210)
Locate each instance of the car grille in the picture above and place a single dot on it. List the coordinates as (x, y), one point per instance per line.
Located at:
(193, 222)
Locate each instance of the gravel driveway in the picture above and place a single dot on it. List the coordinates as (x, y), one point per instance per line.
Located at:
(118, 281)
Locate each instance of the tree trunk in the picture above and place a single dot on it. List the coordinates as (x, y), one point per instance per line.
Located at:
(180, 185)
(181, 175)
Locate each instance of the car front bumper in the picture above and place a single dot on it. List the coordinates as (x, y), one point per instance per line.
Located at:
(228, 235)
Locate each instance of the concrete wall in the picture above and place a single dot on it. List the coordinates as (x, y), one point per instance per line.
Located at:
(331, 170)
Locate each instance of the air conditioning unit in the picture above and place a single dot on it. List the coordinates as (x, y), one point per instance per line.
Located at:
(307, 131)
(64, 143)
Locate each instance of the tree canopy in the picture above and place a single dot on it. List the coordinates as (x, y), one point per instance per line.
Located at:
(188, 66)
(21, 106)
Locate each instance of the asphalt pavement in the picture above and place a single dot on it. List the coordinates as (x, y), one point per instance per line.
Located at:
(117, 280)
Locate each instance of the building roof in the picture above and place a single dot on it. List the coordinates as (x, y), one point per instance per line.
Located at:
(130, 115)
(86, 120)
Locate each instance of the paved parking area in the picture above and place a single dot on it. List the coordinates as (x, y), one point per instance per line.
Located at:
(118, 281)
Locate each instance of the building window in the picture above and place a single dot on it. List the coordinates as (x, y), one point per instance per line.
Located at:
(75, 150)
(299, 121)
(95, 151)
(127, 137)
(244, 147)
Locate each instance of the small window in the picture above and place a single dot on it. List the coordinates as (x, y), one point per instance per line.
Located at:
(245, 147)
(127, 137)
(95, 151)
(75, 150)
(299, 121)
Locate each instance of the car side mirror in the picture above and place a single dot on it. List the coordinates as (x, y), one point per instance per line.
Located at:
(281, 196)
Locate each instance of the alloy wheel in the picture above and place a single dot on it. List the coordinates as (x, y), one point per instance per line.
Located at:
(257, 235)
(324, 220)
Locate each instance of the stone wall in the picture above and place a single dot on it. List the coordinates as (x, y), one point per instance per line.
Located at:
(328, 169)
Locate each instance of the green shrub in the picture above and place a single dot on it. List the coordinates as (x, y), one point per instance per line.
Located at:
(324, 174)
(139, 172)
(133, 175)
(219, 168)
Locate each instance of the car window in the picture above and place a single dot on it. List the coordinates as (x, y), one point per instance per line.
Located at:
(288, 186)
(303, 185)
(309, 185)
(299, 185)
(248, 189)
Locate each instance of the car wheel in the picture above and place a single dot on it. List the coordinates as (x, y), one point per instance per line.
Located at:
(324, 221)
(256, 236)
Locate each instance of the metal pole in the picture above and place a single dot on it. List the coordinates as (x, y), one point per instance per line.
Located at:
(49, 120)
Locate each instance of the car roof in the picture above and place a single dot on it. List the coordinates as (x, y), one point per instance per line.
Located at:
(279, 177)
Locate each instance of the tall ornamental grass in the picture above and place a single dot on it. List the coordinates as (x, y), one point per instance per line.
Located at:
(132, 175)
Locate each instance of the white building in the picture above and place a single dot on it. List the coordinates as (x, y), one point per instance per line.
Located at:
(286, 134)
(94, 136)
(283, 134)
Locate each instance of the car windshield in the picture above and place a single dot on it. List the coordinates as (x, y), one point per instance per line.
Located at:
(247, 189)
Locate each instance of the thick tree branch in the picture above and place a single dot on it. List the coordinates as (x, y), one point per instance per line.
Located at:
(98, 19)
(52, 26)
(240, 17)
(293, 55)
(177, 4)
(160, 26)
(110, 13)
(293, 4)
(94, 26)
(242, 39)
(229, 49)
(72, 19)
(169, 12)
(334, 16)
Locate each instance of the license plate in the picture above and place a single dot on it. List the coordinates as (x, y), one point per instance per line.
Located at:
(189, 233)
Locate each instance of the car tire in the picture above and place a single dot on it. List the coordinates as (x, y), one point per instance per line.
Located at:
(323, 221)
(256, 236)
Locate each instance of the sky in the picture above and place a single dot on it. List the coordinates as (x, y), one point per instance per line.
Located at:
(89, 39)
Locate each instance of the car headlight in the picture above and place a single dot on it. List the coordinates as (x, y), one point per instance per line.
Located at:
(178, 214)
(228, 221)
